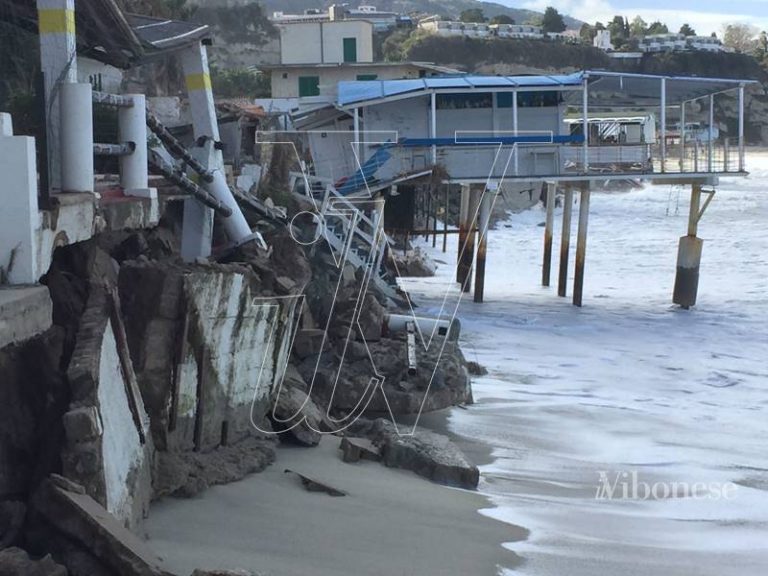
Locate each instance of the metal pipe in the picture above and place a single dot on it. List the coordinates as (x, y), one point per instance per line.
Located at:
(412, 364)
(188, 186)
(663, 124)
(581, 245)
(546, 272)
(356, 121)
(565, 242)
(514, 112)
(177, 148)
(741, 128)
(585, 123)
(433, 125)
(482, 246)
(711, 144)
(118, 100)
(682, 137)
(394, 323)
(124, 149)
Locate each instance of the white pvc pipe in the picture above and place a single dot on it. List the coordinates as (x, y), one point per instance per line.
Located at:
(132, 122)
(399, 323)
(76, 137)
(741, 128)
(663, 124)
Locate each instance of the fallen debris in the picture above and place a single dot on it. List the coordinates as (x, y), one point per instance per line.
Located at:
(16, 562)
(83, 535)
(315, 486)
(356, 449)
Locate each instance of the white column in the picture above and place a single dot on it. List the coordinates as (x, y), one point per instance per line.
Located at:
(663, 124)
(76, 137)
(58, 61)
(585, 122)
(741, 128)
(711, 143)
(198, 80)
(433, 125)
(356, 124)
(132, 123)
(682, 136)
(18, 197)
(514, 112)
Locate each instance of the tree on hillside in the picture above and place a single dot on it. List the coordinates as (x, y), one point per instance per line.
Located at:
(619, 29)
(638, 27)
(472, 15)
(502, 19)
(552, 22)
(686, 30)
(658, 28)
(587, 33)
(740, 37)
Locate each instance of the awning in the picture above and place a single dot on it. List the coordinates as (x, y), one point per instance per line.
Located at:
(358, 92)
(617, 89)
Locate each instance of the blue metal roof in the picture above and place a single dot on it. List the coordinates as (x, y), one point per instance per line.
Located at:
(364, 91)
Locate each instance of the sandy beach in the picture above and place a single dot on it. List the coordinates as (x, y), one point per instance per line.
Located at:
(392, 523)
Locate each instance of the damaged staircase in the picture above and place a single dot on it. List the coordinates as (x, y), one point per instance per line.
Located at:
(352, 235)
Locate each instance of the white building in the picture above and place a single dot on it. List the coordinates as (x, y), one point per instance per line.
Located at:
(517, 31)
(381, 20)
(333, 42)
(602, 40)
(448, 28)
(679, 43)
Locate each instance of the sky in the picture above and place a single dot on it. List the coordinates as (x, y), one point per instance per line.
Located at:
(706, 16)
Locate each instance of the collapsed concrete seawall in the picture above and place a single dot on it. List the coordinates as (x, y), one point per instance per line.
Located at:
(207, 348)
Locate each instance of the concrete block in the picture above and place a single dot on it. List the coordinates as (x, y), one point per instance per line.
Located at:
(24, 313)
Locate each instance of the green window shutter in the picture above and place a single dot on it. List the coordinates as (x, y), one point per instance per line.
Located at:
(350, 49)
(309, 86)
(367, 77)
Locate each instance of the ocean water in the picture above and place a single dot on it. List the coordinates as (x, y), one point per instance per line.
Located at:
(628, 386)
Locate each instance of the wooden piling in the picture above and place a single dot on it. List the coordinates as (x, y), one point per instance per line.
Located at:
(445, 219)
(463, 229)
(546, 271)
(483, 229)
(468, 257)
(565, 242)
(581, 244)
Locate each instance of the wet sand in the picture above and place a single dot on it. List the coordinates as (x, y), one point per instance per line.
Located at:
(392, 523)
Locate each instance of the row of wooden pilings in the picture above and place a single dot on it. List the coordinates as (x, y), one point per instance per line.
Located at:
(474, 223)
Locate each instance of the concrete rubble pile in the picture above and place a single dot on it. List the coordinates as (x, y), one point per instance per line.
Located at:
(161, 378)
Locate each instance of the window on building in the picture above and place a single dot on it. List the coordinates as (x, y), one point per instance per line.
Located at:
(367, 77)
(350, 49)
(309, 86)
(464, 101)
(528, 99)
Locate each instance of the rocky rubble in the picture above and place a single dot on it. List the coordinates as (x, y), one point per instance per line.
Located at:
(426, 453)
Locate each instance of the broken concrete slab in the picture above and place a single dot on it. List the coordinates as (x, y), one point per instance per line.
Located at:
(356, 449)
(81, 519)
(427, 454)
(295, 415)
(311, 485)
(25, 312)
(16, 562)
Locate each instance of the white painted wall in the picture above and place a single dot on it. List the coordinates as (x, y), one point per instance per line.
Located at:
(122, 451)
(285, 81)
(322, 42)
(18, 197)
